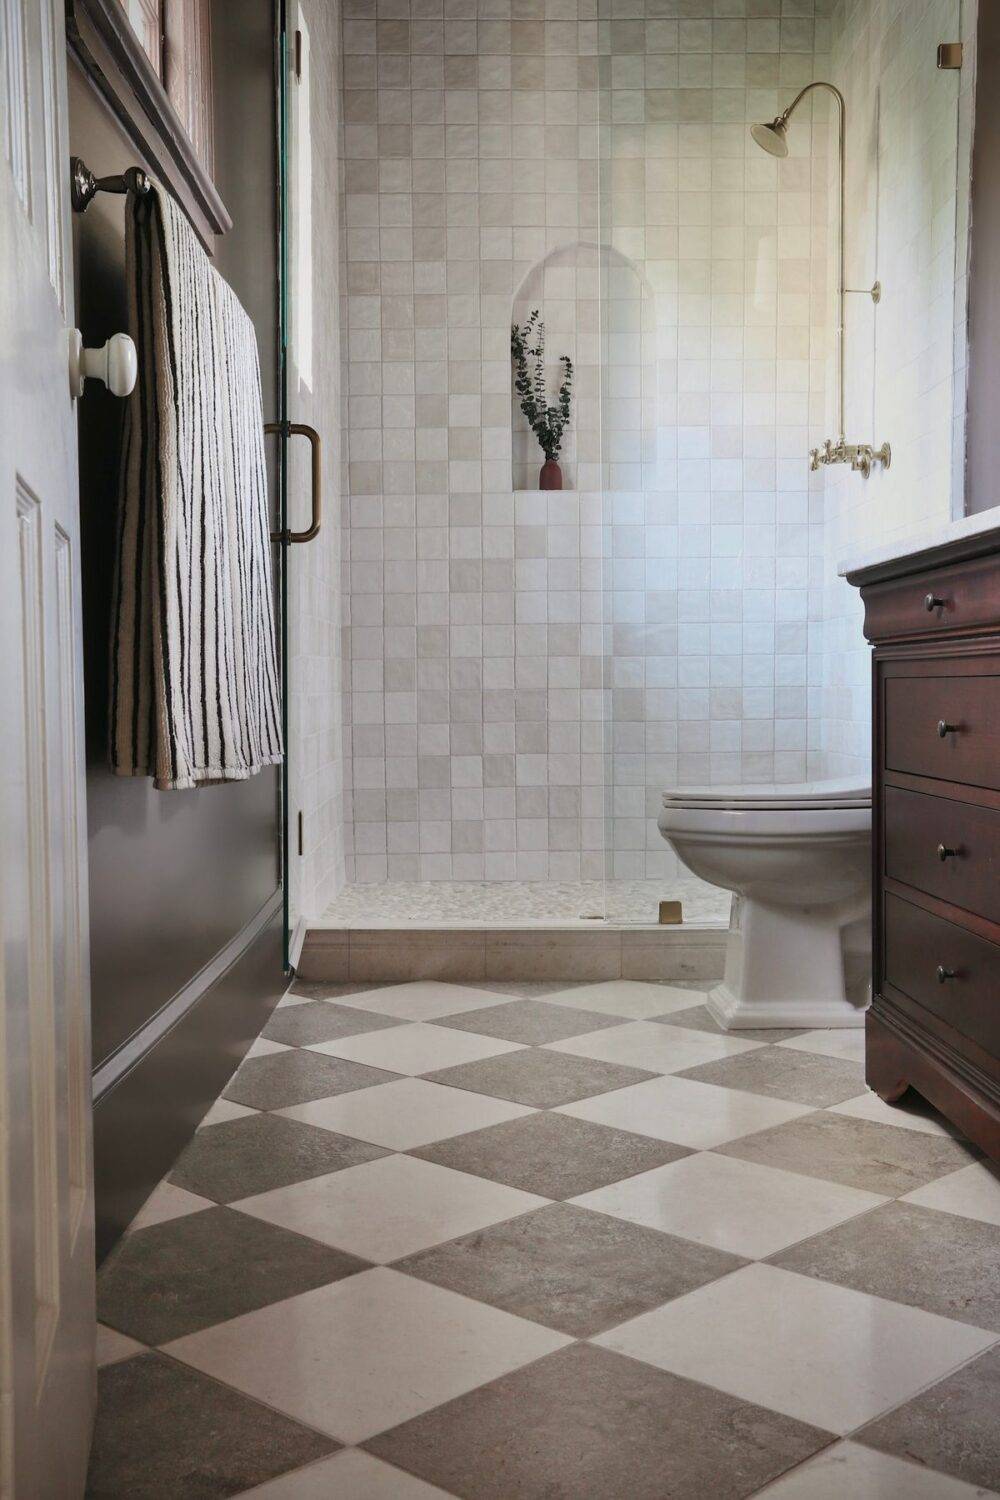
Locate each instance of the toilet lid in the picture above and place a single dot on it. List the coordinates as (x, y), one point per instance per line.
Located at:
(776, 795)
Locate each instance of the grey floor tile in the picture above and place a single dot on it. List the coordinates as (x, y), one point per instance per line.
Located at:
(587, 1424)
(700, 1018)
(295, 1077)
(190, 1273)
(778, 1072)
(928, 1259)
(321, 1021)
(542, 1079)
(857, 1153)
(326, 989)
(952, 1427)
(574, 1270)
(260, 1152)
(531, 1021)
(164, 1430)
(554, 1155)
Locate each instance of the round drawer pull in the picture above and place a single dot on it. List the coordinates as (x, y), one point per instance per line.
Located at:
(932, 602)
(944, 974)
(944, 728)
(943, 852)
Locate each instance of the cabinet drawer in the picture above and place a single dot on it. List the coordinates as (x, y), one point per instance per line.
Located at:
(963, 597)
(918, 947)
(946, 727)
(948, 849)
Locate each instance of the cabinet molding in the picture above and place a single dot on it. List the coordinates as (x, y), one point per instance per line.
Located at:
(101, 38)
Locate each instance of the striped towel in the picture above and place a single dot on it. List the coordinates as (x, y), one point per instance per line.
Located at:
(194, 687)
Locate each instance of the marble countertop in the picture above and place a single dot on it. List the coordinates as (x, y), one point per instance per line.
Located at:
(923, 541)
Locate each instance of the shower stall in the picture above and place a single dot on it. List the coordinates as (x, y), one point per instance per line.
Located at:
(522, 673)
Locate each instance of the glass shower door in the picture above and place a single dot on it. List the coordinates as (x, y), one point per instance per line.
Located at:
(299, 448)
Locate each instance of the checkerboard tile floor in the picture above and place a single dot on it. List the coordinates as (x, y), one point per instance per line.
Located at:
(553, 1242)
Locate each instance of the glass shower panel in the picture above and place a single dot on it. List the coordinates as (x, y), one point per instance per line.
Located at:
(915, 241)
(637, 252)
(713, 265)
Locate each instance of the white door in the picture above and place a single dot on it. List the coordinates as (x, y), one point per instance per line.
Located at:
(46, 1196)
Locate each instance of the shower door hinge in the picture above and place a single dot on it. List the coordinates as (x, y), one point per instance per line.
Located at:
(301, 839)
(949, 55)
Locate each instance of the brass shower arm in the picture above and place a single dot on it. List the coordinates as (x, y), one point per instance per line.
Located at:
(773, 138)
(841, 277)
(817, 83)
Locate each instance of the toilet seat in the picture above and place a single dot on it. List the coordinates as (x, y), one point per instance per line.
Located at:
(805, 796)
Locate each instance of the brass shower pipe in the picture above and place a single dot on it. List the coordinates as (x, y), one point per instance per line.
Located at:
(773, 138)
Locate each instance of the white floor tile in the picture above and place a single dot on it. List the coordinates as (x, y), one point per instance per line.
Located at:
(694, 1114)
(365, 1353)
(973, 1192)
(350, 1475)
(167, 1202)
(384, 1209)
(659, 1049)
(422, 1000)
(403, 1115)
(911, 1113)
(821, 1353)
(846, 1471)
(264, 1047)
(223, 1110)
(417, 1048)
(113, 1346)
(627, 997)
(715, 1200)
(847, 1042)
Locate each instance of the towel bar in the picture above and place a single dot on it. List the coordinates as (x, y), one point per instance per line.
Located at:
(84, 185)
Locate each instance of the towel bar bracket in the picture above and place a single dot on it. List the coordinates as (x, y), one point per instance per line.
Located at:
(84, 185)
(302, 429)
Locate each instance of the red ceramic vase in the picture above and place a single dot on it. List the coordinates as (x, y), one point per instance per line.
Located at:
(550, 476)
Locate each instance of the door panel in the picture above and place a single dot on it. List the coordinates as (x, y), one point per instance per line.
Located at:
(46, 1204)
(41, 1030)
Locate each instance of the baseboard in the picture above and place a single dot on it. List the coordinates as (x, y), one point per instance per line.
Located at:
(296, 941)
(148, 1113)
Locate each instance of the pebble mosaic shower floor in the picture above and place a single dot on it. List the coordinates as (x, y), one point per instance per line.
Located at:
(485, 902)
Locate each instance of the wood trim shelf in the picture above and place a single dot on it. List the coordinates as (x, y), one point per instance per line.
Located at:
(101, 39)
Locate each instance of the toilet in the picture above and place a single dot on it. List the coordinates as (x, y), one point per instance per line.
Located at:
(798, 859)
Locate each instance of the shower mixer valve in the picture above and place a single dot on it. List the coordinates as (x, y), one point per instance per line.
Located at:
(862, 457)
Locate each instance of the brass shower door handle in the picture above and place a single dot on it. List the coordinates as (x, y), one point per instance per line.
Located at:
(302, 429)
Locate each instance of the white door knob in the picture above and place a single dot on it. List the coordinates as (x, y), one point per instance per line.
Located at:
(116, 363)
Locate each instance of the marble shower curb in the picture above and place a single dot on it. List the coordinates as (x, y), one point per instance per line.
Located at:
(393, 953)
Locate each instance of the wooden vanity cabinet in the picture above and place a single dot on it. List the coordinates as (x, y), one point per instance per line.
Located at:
(934, 1024)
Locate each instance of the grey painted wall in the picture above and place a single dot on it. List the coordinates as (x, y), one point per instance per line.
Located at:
(174, 876)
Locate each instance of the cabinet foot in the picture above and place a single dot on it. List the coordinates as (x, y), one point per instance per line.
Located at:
(890, 1093)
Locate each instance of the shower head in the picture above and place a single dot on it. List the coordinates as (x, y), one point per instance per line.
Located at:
(772, 138)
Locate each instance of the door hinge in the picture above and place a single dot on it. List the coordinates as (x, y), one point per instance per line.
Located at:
(298, 55)
(301, 840)
(949, 55)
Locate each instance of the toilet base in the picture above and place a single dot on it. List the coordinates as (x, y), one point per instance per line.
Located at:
(785, 969)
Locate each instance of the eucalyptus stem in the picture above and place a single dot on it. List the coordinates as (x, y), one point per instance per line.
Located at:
(547, 421)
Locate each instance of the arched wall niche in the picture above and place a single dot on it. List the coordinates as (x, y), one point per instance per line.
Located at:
(599, 310)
